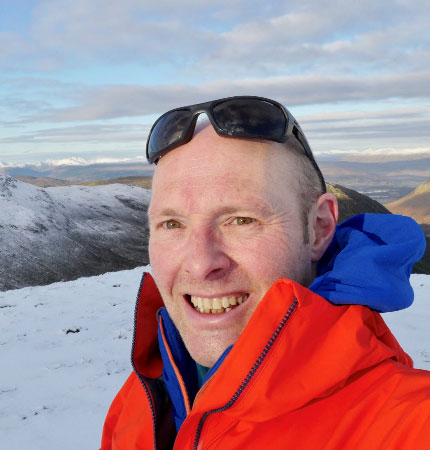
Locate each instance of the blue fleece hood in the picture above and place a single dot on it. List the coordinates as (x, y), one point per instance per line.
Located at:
(369, 262)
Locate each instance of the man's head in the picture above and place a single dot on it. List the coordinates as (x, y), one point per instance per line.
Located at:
(227, 219)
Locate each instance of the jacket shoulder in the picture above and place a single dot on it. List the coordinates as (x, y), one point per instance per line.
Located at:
(125, 413)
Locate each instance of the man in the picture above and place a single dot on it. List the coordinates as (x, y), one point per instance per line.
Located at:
(244, 354)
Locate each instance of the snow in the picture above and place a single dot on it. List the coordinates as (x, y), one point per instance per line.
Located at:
(56, 383)
(62, 233)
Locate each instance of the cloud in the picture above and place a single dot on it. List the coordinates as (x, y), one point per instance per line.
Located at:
(118, 133)
(307, 52)
(210, 39)
(332, 37)
(117, 101)
(405, 127)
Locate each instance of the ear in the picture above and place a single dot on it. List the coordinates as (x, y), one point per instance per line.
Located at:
(323, 219)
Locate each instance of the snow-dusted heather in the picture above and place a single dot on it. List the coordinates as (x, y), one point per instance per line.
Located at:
(64, 351)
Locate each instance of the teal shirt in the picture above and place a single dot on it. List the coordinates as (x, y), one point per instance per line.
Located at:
(201, 373)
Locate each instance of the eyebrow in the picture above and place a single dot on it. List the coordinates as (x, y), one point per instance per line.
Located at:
(225, 210)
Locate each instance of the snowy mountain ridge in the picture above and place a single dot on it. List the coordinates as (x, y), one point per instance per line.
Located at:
(63, 233)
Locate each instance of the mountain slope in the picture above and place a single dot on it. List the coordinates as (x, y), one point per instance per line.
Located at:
(352, 202)
(63, 233)
(416, 204)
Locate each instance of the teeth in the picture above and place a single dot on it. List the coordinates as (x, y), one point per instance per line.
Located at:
(217, 305)
(225, 302)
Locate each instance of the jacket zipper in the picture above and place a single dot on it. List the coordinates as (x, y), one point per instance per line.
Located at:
(141, 379)
(250, 374)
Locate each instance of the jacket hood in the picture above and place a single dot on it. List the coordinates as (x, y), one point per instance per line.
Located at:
(369, 262)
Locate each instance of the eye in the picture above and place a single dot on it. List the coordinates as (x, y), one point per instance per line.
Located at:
(171, 224)
(243, 220)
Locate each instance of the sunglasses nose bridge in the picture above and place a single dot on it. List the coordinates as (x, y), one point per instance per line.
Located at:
(190, 128)
(195, 116)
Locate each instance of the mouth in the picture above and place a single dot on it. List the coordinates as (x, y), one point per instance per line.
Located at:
(216, 305)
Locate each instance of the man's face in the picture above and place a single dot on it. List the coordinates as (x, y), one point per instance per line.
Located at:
(225, 224)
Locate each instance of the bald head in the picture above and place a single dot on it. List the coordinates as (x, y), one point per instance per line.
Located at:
(199, 160)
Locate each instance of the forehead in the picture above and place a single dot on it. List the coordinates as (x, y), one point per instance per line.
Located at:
(212, 168)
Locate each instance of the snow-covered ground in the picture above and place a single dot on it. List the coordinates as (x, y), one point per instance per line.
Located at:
(64, 352)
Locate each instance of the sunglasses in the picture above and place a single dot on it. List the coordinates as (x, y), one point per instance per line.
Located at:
(241, 117)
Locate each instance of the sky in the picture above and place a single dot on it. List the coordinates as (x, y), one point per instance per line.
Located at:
(86, 79)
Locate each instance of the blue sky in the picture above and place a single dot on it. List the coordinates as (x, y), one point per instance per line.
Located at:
(87, 78)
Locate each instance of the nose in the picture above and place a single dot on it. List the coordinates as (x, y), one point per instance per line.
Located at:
(205, 259)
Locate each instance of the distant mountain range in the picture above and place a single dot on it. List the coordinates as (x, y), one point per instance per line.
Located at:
(77, 172)
(384, 177)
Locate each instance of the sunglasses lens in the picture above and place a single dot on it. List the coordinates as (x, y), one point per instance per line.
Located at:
(250, 117)
(169, 131)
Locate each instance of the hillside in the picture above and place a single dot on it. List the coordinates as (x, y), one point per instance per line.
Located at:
(63, 233)
(416, 204)
(43, 181)
(142, 181)
(352, 202)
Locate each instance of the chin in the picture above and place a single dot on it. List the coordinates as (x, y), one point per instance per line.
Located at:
(207, 357)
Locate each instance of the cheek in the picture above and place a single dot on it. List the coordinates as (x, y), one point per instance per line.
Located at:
(162, 265)
(270, 256)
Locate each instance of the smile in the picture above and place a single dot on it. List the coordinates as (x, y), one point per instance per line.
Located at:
(217, 305)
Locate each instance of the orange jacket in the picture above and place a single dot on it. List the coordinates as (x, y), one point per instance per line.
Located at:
(304, 374)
